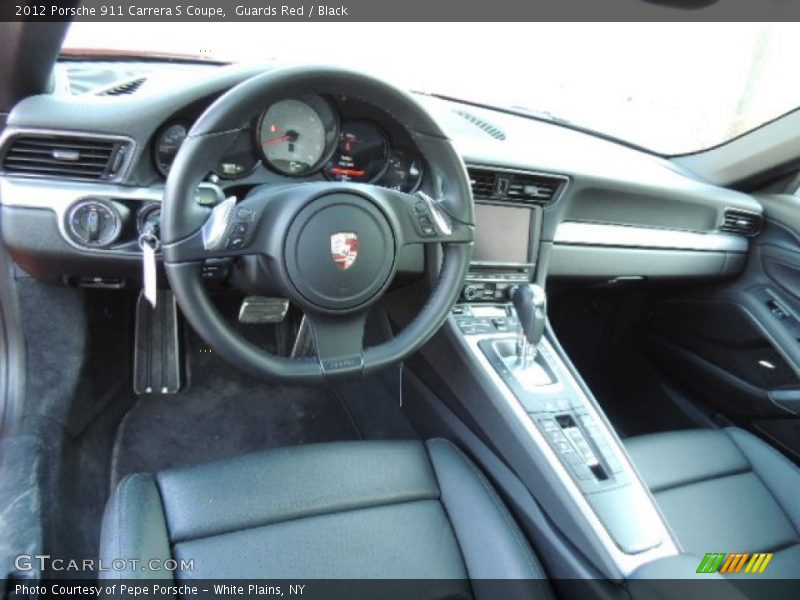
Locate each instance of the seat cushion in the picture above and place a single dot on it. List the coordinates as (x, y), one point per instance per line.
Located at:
(724, 491)
(347, 510)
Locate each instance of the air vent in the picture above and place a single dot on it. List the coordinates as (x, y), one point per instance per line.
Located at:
(129, 87)
(488, 128)
(506, 186)
(69, 157)
(741, 222)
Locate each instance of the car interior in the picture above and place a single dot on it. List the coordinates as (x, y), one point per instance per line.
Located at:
(292, 322)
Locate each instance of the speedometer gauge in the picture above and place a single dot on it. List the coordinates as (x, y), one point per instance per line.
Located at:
(296, 135)
(362, 154)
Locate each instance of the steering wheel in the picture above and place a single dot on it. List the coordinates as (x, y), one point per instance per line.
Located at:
(330, 247)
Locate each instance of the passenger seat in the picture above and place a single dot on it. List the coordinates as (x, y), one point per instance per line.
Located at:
(724, 490)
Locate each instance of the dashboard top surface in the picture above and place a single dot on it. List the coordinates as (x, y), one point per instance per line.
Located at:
(527, 143)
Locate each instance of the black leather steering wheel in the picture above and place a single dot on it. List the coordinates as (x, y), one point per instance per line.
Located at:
(296, 229)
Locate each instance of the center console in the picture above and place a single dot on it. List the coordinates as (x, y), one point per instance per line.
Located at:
(501, 325)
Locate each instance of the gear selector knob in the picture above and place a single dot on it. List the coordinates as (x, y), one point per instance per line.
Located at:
(530, 303)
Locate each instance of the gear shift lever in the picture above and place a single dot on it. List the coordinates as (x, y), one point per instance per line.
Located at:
(530, 302)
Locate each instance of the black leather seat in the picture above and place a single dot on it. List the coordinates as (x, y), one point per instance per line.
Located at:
(724, 490)
(390, 510)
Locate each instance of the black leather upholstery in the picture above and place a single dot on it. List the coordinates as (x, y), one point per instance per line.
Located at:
(344, 510)
(724, 491)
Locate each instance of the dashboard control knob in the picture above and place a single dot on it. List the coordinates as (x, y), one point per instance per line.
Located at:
(94, 223)
(470, 292)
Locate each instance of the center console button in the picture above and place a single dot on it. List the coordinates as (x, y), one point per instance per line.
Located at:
(563, 446)
(561, 404)
(549, 424)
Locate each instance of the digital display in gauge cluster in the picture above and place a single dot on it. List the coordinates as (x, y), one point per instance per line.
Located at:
(362, 154)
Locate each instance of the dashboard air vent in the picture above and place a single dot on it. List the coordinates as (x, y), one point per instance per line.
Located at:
(741, 222)
(127, 87)
(488, 128)
(505, 186)
(70, 157)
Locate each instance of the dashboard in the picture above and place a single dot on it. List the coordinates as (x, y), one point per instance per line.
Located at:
(82, 176)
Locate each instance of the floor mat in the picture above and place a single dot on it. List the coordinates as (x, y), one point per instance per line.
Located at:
(223, 413)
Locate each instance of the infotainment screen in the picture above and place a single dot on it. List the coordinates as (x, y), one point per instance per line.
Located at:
(501, 234)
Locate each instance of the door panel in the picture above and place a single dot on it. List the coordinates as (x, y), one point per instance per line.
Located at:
(737, 345)
(782, 267)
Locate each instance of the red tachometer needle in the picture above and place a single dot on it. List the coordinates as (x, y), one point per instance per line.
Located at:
(348, 172)
(282, 138)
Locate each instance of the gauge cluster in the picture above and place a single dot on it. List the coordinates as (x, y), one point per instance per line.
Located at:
(311, 136)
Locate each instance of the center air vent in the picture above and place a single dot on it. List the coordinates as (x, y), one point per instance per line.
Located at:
(70, 157)
(742, 222)
(507, 186)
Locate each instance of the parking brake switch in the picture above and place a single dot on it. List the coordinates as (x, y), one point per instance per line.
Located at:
(578, 441)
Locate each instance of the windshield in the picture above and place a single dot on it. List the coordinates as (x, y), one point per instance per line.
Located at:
(671, 88)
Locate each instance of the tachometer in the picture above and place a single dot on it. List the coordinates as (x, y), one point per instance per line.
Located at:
(296, 135)
(167, 145)
(362, 154)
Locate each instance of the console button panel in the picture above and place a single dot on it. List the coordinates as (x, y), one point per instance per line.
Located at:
(556, 407)
(485, 319)
(582, 448)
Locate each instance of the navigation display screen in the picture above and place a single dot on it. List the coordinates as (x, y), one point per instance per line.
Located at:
(501, 234)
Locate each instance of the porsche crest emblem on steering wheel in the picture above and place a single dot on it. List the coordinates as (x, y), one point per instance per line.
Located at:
(344, 249)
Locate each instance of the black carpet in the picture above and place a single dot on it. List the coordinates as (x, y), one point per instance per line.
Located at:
(223, 413)
(78, 372)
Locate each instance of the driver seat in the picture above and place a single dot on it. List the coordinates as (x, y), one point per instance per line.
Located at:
(344, 510)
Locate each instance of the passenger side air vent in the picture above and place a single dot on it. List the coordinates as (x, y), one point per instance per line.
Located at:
(741, 222)
(70, 157)
(488, 128)
(507, 186)
(128, 87)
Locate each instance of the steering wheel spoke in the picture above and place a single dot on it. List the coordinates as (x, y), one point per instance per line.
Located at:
(421, 220)
(228, 231)
(339, 341)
